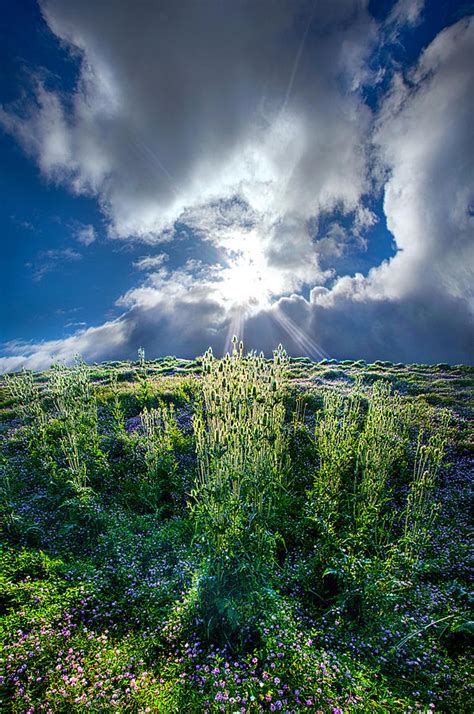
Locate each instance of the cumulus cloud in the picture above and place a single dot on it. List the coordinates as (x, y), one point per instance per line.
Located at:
(425, 141)
(182, 104)
(245, 127)
(166, 318)
(90, 343)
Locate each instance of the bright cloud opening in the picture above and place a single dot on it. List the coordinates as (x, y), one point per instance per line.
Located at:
(248, 282)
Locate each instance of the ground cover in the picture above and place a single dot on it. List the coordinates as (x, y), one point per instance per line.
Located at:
(236, 535)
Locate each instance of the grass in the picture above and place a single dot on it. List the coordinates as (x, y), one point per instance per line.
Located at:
(236, 535)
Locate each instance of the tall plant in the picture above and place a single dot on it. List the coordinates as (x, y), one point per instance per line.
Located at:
(380, 450)
(144, 390)
(74, 400)
(31, 405)
(161, 437)
(336, 435)
(362, 533)
(242, 459)
(421, 508)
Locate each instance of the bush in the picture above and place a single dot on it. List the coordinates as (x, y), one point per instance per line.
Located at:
(242, 458)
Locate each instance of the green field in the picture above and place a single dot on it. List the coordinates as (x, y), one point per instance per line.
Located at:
(237, 535)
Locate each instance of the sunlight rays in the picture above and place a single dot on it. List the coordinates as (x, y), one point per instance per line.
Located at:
(297, 61)
(308, 346)
(249, 284)
(236, 328)
(298, 335)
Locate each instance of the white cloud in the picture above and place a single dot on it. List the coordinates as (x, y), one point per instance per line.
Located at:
(150, 262)
(198, 114)
(94, 343)
(184, 104)
(334, 242)
(49, 260)
(425, 140)
(86, 235)
(406, 12)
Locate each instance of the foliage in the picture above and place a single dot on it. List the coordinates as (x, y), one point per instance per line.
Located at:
(144, 390)
(159, 483)
(365, 540)
(235, 535)
(242, 464)
(421, 509)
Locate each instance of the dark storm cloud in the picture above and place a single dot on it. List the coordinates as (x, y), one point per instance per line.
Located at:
(410, 329)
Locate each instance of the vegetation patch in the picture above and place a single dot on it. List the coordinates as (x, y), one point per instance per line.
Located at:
(236, 535)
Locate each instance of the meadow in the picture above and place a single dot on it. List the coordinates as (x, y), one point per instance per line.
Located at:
(236, 535)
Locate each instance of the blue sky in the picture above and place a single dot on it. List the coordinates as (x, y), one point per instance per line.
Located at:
(296, 172)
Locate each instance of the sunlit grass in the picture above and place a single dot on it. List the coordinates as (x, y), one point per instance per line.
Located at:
(235, 535)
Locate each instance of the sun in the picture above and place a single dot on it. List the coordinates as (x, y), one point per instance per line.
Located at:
(248, 283)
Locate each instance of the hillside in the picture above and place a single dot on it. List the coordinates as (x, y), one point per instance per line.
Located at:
(236, 535)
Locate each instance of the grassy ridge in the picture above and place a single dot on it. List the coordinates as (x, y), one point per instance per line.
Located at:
(236, 535)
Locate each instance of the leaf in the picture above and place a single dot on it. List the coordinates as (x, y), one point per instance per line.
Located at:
(466, 627)
(331, 571)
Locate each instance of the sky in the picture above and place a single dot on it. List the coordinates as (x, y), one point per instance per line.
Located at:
(174, 172)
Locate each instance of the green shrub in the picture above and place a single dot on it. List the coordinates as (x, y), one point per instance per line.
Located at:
(336, 436)
(74, 400)
(380, 451)
(421, 509)
(242, 457)
(361, 536)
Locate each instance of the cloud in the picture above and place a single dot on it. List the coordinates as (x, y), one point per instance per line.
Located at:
(242, 129)
(86, 235)
(179, 317)
(406, 12)
(425, 139)
(49, 260)
(405, 330)
(150, 262)
(94, 343)
(184, 104)
(425, 143)
(21, 223)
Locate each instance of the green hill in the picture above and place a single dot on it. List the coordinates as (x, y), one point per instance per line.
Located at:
(237, 535)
